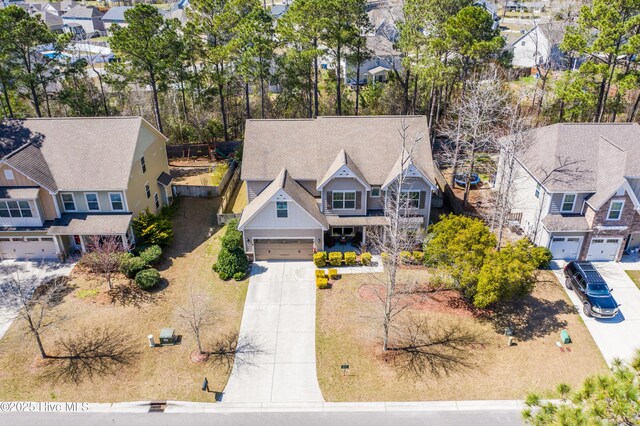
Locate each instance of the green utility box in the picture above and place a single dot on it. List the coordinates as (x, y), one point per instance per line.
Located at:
(167, 336)
(564, 337)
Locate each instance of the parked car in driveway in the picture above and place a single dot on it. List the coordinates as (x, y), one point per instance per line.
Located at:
(593, 291)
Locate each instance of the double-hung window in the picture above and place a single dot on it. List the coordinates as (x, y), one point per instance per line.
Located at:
(68, 202)
(615, 210)
(116, 201)
(92, 201)
(15, 209)
(282, 210)
(568, 202)
(147, 190)
(412, 199)
(156, 200)
(143, 164)
(344, 200)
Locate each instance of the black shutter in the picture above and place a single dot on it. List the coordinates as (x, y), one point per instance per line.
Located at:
(423, 196)
(329, 200)
(358, 200)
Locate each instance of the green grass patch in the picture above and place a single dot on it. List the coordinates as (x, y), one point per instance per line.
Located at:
(635, 277)
(218, 173)
(87, 293)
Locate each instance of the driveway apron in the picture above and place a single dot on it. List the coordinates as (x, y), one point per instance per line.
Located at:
(279, 315)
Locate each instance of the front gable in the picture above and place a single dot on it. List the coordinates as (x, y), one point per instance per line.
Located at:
(412, 172)
(266, 217)
(19, 179)
(344, 172)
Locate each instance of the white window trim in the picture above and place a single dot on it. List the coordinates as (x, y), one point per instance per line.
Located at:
(32, 209)
(9, 175)
(355, 198)
(419, 196)
(147, 193)
(286, 210)
(97, 200)
(611, 205)
(341, 228)
(379, 191)
(121, 201)
(573, 205)
(538, 190)
(156, 200)
(73, 197)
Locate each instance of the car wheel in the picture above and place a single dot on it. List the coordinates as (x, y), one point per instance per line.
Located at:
(567, 283)
(586, 309)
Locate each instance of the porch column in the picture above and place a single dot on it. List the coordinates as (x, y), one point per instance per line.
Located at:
(364, 235)
(82, 245)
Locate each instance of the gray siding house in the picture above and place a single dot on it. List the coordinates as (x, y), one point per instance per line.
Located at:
(316, 182)
(576, 189)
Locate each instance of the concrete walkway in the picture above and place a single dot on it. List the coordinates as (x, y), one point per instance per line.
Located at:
(617, 337)
(280, 316)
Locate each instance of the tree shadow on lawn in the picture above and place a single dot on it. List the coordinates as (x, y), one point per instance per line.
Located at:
(530, 317)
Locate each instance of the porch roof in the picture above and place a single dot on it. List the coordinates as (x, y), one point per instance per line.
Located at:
(378, 70)
(19, 193)
(558, 222)
(91, 224)
(357, 221)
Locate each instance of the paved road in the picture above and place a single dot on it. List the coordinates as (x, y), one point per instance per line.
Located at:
(280, 315)
(620, 336)
(29, 273)
(440, 418)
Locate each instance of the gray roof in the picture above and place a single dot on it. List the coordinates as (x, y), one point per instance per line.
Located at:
(165, 179)
(72, 154)
(116, 14)
(342, 159)
(79, 11)
(19, 192)
(52, 20)
(559, 222)
(308, 147)
(293, 189)
(585, 157)
(91, 224)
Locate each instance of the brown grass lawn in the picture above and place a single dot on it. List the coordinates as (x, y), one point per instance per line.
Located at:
(156, 373)
(349, 331)
(239, 201)
(635, 277)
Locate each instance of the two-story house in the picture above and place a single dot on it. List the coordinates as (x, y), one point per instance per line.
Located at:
(575, 189)
(314, 180)
(65, 180)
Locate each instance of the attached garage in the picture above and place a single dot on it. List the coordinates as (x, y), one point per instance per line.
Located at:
(283, 249)
(603, 249)
(565, 248)
(28, 248)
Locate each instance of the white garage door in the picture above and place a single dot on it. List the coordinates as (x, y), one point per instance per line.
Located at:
(566, 248)
(603, 249)
(28, 248)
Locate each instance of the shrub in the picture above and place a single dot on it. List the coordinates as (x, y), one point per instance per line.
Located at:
(152, 254)
(320, 259)
(333, 274)
(153, 229)
(320, 273)
(132, 265)
(350, 258)
(365, 258)
(232, 238)
(405, 257)
(239, 276)
(335, 258)
(148, 278)
(231, 262)
(322, 283)
(418, 256)
(541, 257)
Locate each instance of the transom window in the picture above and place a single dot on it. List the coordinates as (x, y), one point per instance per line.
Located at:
(615, 210)
(147, 190)
(341, 231)
(412, 199)
(143, 165)
(15, 209)
(68, 202)
(282, 209)
(92, 201)
(156, 200)
(344, 200)
(568, 202)
(116, 201)
(375, 191)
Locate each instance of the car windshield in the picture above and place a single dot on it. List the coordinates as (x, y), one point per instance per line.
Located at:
(598, 289)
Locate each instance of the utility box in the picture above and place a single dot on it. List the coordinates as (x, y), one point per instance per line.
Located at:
(168, 336)
(564, 337)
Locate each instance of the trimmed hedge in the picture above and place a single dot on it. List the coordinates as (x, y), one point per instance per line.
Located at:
(232, 238)
(350, 258)
(320, 273)
(239, 276)
(333, 274)
(322, 283)
(152, 254)
(320, 259)
(365, 258)
(230, 262)
(131, 266)
(148, 278)
(335, 258)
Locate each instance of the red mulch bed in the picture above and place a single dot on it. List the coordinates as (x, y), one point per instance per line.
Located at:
(442, 301)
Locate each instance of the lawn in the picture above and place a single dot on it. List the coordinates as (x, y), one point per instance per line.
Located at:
(208, 175)
(239, 201)
(349, 332)
(162, 373)
(635, 277)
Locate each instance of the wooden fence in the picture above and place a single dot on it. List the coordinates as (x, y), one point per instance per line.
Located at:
(456, 207)
(201, 149)
(227, 196)
(206, 191)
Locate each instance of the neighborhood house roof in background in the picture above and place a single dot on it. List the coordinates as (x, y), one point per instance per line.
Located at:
(79, 11)
(116, 14)
(72, 154)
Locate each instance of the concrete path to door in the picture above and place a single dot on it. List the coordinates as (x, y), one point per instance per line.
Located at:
(617, 337)
(280, 316)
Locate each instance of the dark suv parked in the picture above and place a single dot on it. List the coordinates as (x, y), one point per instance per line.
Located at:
(591, 288)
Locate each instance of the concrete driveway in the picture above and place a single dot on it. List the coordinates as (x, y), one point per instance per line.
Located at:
(30, 273)
(280, 316)
(620, 336)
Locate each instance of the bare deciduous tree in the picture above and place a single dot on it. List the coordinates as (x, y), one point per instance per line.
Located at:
(197, 314)
(104, 256)
(231, 349)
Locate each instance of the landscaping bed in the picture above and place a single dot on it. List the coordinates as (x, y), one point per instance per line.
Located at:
(199, 172)
(161, 373)
(349, 331)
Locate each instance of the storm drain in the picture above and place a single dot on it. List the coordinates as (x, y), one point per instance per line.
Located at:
(157, 406)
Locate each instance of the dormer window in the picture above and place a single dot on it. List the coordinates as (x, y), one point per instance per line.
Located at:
(615, 210)
(282, 210)
(568, 202)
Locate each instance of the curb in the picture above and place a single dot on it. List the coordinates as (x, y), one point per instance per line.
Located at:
(186, 407)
